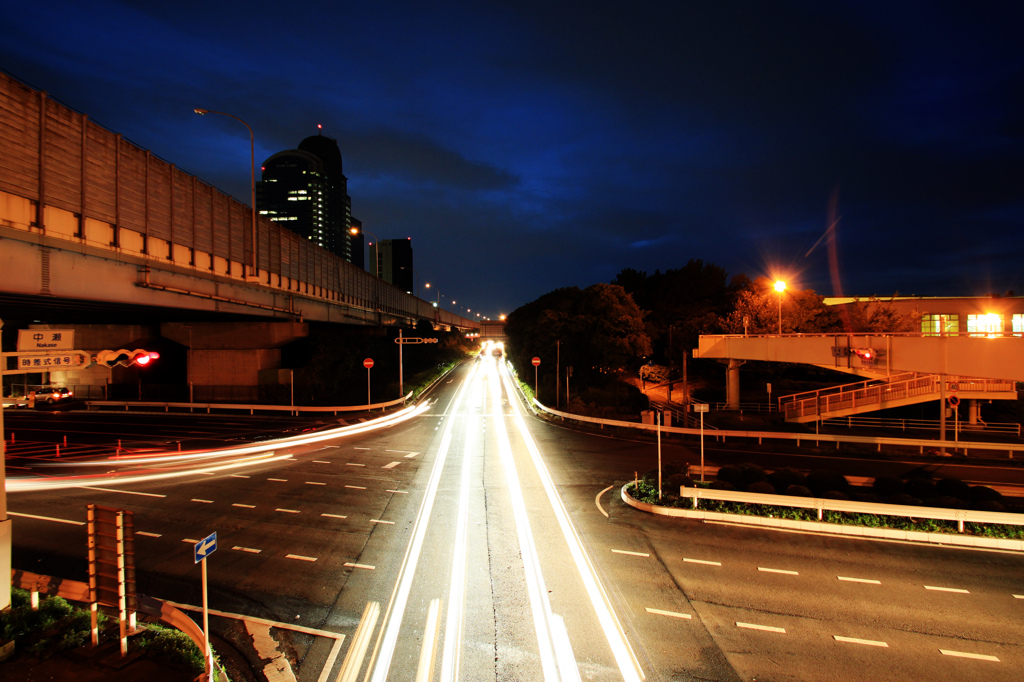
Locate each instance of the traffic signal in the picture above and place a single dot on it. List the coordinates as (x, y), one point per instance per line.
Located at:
(126, 358)
(867, 355)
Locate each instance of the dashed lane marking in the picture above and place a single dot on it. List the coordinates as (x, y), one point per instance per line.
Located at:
(46, 518)
(964, 654)
(755, 626)
(776, 570)
(244, 506)
(359, 448)
(671, 614)
(148, 535)
(315, 483)
(333, 516)
(855, 640)
(701, 561)
(321, 461)
(196, 499)
(623, 551)
(238, 476)
(279, 480)
(189, 540)
(946, 589)
(354, 464)
(398, 492)
(356, 487)
(366, 566)
(299, 557)
(859, 580)
(288, 511)
(1018, 596)
(389, 523)
(250, 550)
(390, 466)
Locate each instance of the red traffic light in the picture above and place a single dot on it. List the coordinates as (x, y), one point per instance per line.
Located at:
(145, 358)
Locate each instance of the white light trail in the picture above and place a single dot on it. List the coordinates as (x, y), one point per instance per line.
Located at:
(629, 667)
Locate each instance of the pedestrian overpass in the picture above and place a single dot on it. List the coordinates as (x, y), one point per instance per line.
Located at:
(903, 368)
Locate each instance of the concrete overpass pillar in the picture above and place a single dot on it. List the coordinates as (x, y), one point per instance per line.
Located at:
(732, 384)
(973, 411)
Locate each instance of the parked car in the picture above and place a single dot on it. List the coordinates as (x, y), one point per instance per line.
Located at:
(53, 394)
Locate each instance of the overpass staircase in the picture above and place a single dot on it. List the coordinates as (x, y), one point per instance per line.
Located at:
(908, 388)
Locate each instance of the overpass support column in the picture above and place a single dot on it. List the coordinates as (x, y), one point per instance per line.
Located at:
(973, 411)
(732, 384)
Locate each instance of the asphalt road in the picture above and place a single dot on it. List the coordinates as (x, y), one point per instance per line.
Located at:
(501, 518)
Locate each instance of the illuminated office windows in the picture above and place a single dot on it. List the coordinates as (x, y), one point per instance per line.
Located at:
(940, 324)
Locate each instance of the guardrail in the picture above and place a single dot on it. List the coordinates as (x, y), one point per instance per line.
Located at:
(1008, 428)
(292, 409)
(878, 509)
(798, 438)
(77, 591)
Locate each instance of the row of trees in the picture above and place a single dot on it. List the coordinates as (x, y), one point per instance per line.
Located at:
(594, 335)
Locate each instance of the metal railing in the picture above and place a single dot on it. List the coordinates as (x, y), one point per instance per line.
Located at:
(1007, 428)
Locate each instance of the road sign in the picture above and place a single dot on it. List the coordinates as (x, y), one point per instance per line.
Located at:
(954, 386)
(953, 401)
(413, 339)
(368, 363)
(700, 407)
(206, 546)
(45, 339)
(536, 362)
(42, 362)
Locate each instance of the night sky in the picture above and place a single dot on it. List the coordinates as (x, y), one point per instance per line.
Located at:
(526, 146)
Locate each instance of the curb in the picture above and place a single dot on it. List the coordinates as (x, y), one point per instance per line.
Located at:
(940, 539)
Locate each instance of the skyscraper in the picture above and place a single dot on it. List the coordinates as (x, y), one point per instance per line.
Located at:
(306, 191)
(393, 260)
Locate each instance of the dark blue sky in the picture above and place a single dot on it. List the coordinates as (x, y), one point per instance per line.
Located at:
(526, 146)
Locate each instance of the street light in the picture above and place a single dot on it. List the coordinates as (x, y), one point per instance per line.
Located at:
(252, 176)
(376, 261)
(780, 286)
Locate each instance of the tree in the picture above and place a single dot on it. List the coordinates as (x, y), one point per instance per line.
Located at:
(803, 312)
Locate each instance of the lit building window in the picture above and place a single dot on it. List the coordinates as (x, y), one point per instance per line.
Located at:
(985, 324)
(1018, 323)
(940, 324)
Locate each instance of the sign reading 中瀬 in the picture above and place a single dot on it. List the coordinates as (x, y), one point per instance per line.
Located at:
(30, 340)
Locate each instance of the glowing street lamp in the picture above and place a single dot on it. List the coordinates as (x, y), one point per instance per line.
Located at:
(252, 176)
(355, 231)
(780, 286)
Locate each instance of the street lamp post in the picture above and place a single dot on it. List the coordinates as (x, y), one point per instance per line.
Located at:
(376, 261)
(780, 286)
(252, 178)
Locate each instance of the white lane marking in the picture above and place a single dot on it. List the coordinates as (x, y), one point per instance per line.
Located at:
(765, 628)
(189, 540)
(859, 580)
(597, 500)
(392, 624)
(238, 476)
(364, 566)
(964, 654)
(398, 492)
(244, 506)
(702, 562)
(390, 523)
(196, 499)
(629, 667)
(288, 511)
(390, 466)
(315, 483)
(855, 640)
(46, 518)
(300, 557)
(359, 448)
(672, 614)
(279, 480)
(411, 455)
(320, 461)
(623, 551)
(946, 589)
(354, 464)
(148, 535)
(776, 570)
(1018, 596)
(123, 492)
(250, 550)
(356, 487)
(333, 516)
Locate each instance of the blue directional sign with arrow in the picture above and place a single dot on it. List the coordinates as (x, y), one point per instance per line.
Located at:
(206, 546)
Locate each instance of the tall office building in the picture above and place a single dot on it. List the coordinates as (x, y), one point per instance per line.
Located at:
(305, 190)
(393, 260)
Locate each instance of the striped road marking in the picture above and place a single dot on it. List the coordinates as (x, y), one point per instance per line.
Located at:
(946, 589)
(46, 518)
(622, 551)
(148, 535)
(288, 511)
(250, 550)
(671, 614)
(333, 516)
(776, 570)
(701, 561)
(964, 654)
(754, 626)
(244, 506)
(300, 557)
(196, 499)
(854, 640)
(390, 466)
(860, 580)
(366, 566)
